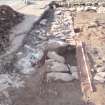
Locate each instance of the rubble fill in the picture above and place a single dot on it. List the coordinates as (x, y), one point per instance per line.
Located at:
(8, 19)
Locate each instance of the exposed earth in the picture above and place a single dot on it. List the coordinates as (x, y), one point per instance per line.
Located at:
(91, 27)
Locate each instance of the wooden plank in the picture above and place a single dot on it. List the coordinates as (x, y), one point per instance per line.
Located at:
(83, 67)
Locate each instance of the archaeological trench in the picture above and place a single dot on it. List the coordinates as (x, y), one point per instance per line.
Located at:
(61, 59)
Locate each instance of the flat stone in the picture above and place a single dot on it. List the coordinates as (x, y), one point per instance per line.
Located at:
(101, 10)
(92, 25)
(28, 70)
(75, 75)
(94, 8)
(99, 78)
(19, 55)
(91, 8)
(37, 31)
(100, 69)
(49, 61)
(43, 22)
(55, 56)
(32, 57)
(59, 76)
(79, 9)
(73, 69)
(23, 63)
(42, 37)
(72, 9)
(101, 74)
(58, 12)
(87, 8)
(54, 44)
(98, 62)
(58, 67)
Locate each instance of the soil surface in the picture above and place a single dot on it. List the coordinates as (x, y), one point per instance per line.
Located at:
(93, 35)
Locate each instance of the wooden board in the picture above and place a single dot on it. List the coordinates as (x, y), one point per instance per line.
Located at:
(83, 68)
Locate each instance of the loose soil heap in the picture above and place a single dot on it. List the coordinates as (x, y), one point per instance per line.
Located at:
(8, 19)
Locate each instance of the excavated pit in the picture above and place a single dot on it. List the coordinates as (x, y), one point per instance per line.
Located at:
(38, 89)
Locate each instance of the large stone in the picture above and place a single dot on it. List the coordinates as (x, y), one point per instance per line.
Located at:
(79, 9)
(72, 9)
(101, 74)
(54, 44)
(86, 8)
(92, 25)
(7, 81)
(23, 64)
(55, 56)
(101, 10)
(49, 61)
(32, 57)
(94, 8)
(43, 22)
(58, 67)
(73, 69)
(58, 12)
(99, 62)
(59, 76)
(42, 37)
(99, 78)
(28, 70)
(91, 8)
(100, 69)
(75, 75)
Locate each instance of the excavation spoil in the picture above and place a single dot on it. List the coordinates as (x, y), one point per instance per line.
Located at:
(8, 19)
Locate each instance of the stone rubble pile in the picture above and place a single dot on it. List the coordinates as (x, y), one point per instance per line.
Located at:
(78, 6)
(57, 69)
(52, 40)
(99, 8)
(28, 59)
(61, 28)
(54, 55)
(38, 36)
(8, 19)
(99, 70)
(40, 39)
(62, 25)
(23, 61)
(13, 80)
(97, 56)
